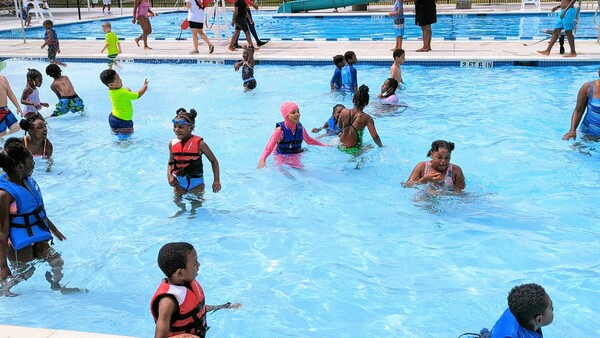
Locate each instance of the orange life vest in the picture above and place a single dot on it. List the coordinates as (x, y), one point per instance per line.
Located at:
(190, 316)
(185, 158)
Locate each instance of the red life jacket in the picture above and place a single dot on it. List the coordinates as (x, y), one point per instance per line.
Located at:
(185, 158)
(190, 316)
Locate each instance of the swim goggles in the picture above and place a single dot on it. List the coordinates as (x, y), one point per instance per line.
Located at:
(182, 122)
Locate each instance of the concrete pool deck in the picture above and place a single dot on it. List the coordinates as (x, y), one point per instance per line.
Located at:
(460, 50)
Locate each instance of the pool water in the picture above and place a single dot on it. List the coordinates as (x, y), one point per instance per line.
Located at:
(350, 27)
(338, 248)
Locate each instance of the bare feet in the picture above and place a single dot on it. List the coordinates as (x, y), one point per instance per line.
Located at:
(393, 49)
(570, 55)
(146, 47)
(544, 52)
(194, 52)
(137, 41)
(232, 49)
(423, 49)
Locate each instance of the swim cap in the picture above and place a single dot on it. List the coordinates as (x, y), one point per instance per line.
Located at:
(287, 107)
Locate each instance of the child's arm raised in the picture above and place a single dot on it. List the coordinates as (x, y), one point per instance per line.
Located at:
(143, 89)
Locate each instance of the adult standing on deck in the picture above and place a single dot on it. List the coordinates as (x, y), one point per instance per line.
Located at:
(141, 12)
(196, 19)
(425, 15)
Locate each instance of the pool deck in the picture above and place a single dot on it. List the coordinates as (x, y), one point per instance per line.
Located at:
(459, 50)
(443, 50)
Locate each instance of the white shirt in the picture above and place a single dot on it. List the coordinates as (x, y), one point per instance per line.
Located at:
(195, 13)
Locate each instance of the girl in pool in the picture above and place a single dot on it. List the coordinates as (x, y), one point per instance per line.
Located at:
(35, 138)
(31, 96)
(438, 173)
(388, 92)
(353, 122)
(288, 135)
(141, 14)
(24, 220)
(331, 125)
(185, 170)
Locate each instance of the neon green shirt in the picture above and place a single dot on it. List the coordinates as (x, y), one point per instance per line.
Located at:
(112, 41)
(121, 103)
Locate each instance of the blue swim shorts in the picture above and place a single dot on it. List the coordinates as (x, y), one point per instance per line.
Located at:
(111, 59)
(7, 119)
(190, 184)
(120, 127)
(568, 22)
(399, 27)
(68, 104)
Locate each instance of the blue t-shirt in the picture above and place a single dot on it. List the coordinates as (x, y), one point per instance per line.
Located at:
(349, 78)
(508, 327)
(398, 6)
(337, 78)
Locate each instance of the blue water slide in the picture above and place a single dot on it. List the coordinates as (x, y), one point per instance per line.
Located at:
(311, 5)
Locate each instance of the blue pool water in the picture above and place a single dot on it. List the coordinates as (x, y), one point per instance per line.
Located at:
(338, 249)
(375, 27)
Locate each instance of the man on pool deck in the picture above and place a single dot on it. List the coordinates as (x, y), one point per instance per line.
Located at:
(566, 21)
(529, 308)
(120, 119)
(178, 306)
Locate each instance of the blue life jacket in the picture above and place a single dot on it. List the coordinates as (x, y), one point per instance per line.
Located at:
(332, 128)
(29, 225)
(291, 143)
(508, 326)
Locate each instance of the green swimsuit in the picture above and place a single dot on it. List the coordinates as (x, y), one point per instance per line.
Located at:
(355, 149)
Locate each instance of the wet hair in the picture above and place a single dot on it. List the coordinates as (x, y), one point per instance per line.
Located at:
(53, 71)
(48, 23)
(527, 301)
(32, 74)
(108, 76)
(393, 83)
(338, 59)
(188, 116)
(173, 256)
(398, 52)
(336, 107)
(361, 97)
(348, 55)
(13, 154)
(437, 145)
(26, 124)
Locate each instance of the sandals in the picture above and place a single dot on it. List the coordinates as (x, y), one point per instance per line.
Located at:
(211, 49)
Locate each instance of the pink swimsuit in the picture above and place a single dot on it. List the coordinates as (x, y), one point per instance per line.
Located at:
(447, 183)
(143, 8)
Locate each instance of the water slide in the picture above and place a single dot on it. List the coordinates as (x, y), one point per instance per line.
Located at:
(311, 5)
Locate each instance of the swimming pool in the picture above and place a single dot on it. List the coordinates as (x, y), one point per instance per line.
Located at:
(338, 248)
(377, 27)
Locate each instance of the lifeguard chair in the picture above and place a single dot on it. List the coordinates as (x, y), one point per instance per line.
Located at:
(535, 3)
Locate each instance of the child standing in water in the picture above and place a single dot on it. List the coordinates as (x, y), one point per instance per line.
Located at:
(68, 100)
(36, 139)
(349, 76)
(336, 79)
(288, 134)
(121, 117)
(395, 71)
(8, 121)
(439, 173)
(31, 96)
(185, 171)
(331, 125)
(112, 46)
(178, 305)
(247, 65)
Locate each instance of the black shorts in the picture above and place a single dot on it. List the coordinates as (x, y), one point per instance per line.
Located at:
(197, 25)
(241, 24)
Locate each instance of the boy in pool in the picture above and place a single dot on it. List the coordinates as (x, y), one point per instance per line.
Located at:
(565, 20)
(395, 71)
(120, 119)
(112, 46)
(178, 306)
(51, 40)
(331, 125)
(68, 100)
(529, 308)
(349, 76)
(247, 65)
(8, 121)
(336, 79)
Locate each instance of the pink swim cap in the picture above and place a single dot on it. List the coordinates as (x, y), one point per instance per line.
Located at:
(287, 107)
